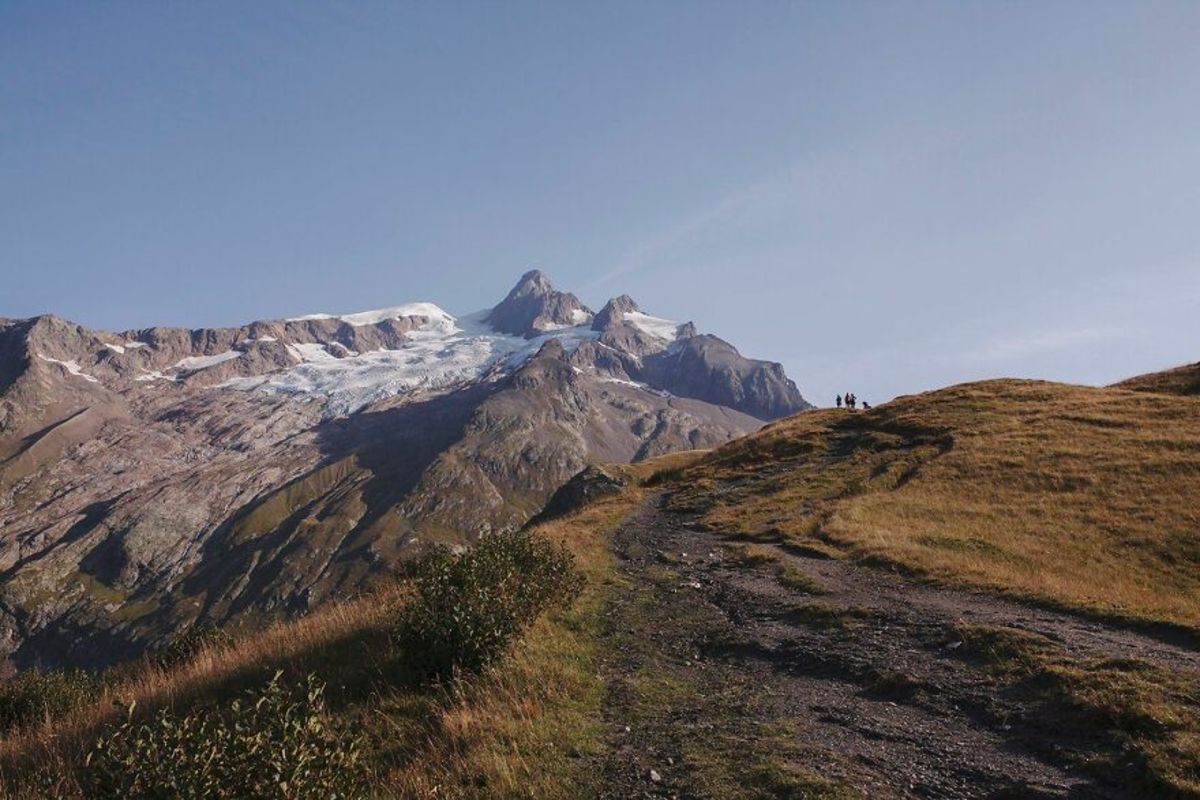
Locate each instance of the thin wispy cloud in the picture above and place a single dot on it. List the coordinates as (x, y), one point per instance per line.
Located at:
(655, 249)
(1018, 347)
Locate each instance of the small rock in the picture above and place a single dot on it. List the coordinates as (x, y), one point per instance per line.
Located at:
(954, 645)
(670, 761)
(655, 777)
(627, 729)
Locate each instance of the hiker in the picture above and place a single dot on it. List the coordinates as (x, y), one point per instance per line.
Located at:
(850, 398)
(839, 401)
(866, 406)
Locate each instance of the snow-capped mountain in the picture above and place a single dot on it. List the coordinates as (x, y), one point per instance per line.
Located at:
(155, 477)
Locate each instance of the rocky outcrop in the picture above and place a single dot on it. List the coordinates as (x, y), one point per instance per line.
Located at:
(534, 307)
(586, 486)
(613, 313)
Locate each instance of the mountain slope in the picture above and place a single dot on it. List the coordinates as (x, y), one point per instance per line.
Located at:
(153, 479)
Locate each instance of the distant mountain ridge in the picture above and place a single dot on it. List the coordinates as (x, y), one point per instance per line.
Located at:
(153, 478)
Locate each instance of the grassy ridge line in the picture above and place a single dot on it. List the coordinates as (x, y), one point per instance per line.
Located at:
(1184, 380)
(515, 729)
(1076, 496)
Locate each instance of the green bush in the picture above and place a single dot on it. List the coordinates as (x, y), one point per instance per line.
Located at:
(187, 645)
(470, 608)
(274, 743)
(33, 696)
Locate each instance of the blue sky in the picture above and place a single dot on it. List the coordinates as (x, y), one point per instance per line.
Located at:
(886, 197)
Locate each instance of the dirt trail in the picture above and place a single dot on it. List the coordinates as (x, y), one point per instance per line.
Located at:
(721, 677)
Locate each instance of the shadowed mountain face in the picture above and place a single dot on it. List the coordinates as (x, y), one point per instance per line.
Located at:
(151, 479)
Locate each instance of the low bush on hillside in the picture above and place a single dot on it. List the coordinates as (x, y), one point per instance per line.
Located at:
(472, 606)
(273, 743)
(189, 644)
(34, 695)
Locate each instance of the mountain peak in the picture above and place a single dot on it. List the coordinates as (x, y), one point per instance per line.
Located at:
(613, 311)
(534, 307)
(533, 282)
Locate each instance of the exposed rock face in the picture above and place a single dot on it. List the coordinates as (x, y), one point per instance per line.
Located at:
(152, 478)
(711, 369)
(534, 307)
(588, 485)
(613, 313)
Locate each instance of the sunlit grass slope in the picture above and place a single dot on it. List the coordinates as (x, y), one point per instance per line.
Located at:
(516, 730)
(1075, 495)
(1183, 380)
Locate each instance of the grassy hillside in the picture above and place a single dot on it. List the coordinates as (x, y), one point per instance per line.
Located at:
(502, 733)
(1079, 498)
(1183, 380)
(1074, 495)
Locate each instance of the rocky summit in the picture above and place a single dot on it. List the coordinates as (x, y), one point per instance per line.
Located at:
(154, 479)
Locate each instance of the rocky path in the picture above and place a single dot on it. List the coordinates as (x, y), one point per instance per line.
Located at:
(723, 679)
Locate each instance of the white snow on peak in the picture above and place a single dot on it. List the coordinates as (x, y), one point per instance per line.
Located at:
(435, 314)
(135, 345)
(580, 317)
(71, 366)
(655, 326)
(193, 363)
(116, 348)
(441, 355)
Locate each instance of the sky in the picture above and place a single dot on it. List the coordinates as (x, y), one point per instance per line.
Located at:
(886, 197)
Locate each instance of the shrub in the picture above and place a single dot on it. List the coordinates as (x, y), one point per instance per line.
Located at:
(470, 608)
(273, 743)
(33, 696)
(185, 646)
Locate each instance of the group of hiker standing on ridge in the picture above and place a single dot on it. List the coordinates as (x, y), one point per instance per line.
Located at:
(852, 402)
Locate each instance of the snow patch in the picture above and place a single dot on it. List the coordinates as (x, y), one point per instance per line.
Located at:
(116, 348)
(442, 354)
(435, 314)
(637, 385)
(655, 326)
(135, 345)
(154, 376)
(71, 366)
(306, 353)
(193, 363)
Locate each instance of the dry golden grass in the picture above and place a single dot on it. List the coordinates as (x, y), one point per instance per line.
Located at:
(506, 733)
(518, 731)
(642, 471)
(216, 672)
(1071, 494)
(1183, 380)
(1151, 714)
